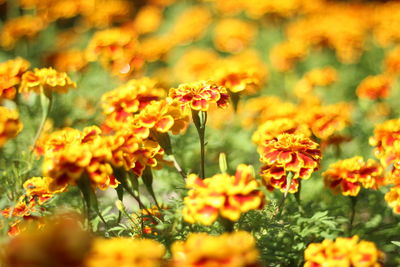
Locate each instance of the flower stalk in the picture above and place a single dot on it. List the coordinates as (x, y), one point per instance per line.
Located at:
(200, 120)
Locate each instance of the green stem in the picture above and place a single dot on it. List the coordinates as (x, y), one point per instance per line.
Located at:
(297, 196)
(281, 203)
(353, 203)
(200, 119)
(178, 167)
(46, 103)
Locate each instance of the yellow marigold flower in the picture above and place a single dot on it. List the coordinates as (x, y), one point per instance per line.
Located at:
(237, 249)
(288, 153)
(45, 80)
(18, 28)
(148, 19)
(284, 8)
(393, 198)
(81, 153)
(261, 109)
(163, 116)
(233, 35)
(155, 47)
(344, 251)
(349, 175)
(385, 136)
(321, 77)
(285, 55)
(120, 104)
(23, 208)
(125, 251)
(70, 60)
(199, 95)
(222, 194)
(38, 188)
(190, 25)
(195, 64)
(109, 12)
(374, 87)
(324, 121)
(10, 125)
(386, 23)
(241, 73)
(392, 61)
(272, 128)
(10, 76)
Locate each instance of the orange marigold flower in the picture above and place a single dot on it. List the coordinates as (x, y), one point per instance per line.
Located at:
(199, 95)
(241, 73)
(322, 76)
(201, 249)
(285, 55)
(392, 61)
(385, 136)
(111, 11)
(120, 104)
(69, 60)
(288, 153)
(190, 25)
(374, 87)
(81, 153)
(20, 27)
(163, 116)
(125, 252)
(233, 35)
(10, 76)
(45, 80)
(10, 125)
(148, 19)
(272, 128)
(38, 188)
(222, 194)
(324, 121)
(349, 175)
(393, 198)
(344, 251)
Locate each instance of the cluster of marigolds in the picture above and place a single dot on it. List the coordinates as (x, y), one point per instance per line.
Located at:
(214, 86)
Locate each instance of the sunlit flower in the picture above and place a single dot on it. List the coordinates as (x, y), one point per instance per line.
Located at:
(221, 195)
(344, 251)
(39, 189)
(124, 251)
(70, 60)
(233, 35)
(199, 95)
(81, 153)
(236, 249)
(10, 124)
(148, 19)
(190, 25)
(374, 87)
(393, 198)
(385, 136)
(10, 76)
(272, 128)
(18, 28)
(392, 61)
(349, 175)
(288, 153)
(285, 55)
(45, 80)
(120, 104)
(316, 77)
(110, 11)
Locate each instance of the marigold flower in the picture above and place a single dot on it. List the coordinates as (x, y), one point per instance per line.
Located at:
(45, 80)
(81, 153)
(163, 116)
(190, 25)
(201, 249)
(148, 19)
(20, 27)
(233, 35)
(272, 128)
(10, 76)
(288, 153)
(349, 175)
(324, 121)
(199, 95)
(343, 252)
(374, 87)
(392, 61)
(385, 136)
(38, 188)
(68, 61)
(10, 125)
(125, 252)
(393, 198)
(222, 194)
(111, 11)
(120, 104)
(285, 55)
